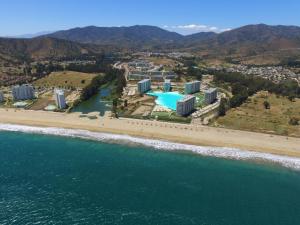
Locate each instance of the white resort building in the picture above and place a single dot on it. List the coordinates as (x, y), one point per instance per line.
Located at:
(144, 86)
(60, 98)
(1, 96)
(167, 85)
(192, 87)
(186, 105)
(210, 95)
(23, 92)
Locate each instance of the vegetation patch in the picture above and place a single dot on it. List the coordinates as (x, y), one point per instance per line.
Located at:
(265, 112)
(66, 80)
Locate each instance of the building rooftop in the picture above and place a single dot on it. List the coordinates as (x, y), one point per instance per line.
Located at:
(210, 90)
(145, 80)
(186, 98)
(194, 81)
(59, 91)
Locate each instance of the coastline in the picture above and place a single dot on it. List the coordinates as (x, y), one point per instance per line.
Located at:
(177, 133)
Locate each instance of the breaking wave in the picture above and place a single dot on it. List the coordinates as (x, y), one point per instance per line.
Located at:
(230, 153)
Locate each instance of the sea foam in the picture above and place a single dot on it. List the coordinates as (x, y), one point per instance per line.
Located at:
(230, 153)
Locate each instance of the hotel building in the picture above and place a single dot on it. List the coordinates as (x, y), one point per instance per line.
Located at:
(23, 92)
(60, 99)
(167, 85)
(1, 96)
(210, 95)
(192, 87)
(144, 86)
(186, 105)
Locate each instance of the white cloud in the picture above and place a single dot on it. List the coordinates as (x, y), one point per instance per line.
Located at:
(194, 28)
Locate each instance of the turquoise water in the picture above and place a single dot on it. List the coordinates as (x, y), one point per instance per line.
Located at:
(57, 180)
(167, 99)
(95, 104)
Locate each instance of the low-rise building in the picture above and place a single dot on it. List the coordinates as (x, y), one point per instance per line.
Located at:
(22, 92)
(186, 105)
(192, 87)
(60, 98)
(153, 75)
(210, 95)
(1, 96)
(144, 86)
(167, 85)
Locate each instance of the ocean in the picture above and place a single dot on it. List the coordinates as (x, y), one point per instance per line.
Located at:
(80, 177)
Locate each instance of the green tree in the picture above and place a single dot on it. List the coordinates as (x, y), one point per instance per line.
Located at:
(222, 107)
(294, 121)
(267, 105)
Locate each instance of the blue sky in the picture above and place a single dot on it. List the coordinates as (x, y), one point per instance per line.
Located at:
(184, 16)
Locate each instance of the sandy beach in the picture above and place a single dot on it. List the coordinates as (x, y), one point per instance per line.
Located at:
(181, 133)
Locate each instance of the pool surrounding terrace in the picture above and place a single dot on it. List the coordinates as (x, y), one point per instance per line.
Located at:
(166, 99)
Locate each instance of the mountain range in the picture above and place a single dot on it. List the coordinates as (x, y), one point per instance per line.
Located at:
(250, 44)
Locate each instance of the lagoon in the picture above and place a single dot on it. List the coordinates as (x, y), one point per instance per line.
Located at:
(166, 99)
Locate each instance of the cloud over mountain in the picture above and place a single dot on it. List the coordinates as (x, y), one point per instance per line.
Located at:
(195, 28)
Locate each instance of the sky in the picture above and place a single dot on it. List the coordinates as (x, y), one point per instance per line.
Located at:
(18, 17)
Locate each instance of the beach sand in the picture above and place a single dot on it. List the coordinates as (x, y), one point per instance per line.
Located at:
(181, 133)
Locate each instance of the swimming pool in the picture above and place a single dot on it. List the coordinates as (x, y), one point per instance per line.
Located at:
(166, 99)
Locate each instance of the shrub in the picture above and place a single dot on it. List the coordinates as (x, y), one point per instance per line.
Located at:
(294, 121)
(267, 105)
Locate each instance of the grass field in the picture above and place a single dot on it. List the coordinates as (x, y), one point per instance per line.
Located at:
(253, 116)
(65, 79)
(162, 61)
(170, 117)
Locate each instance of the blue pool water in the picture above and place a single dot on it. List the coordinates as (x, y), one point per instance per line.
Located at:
(166, 99)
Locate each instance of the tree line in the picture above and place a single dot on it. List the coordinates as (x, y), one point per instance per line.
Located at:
(243, 86)
(109, 75)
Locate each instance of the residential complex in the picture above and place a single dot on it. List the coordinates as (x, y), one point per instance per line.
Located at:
(60, 98)
(153, 75)
(210, 95)
(1, 96)
(140, 64)
(192, 87)
(167, 85)
(23, 92)
(186, 105)
(144, 86)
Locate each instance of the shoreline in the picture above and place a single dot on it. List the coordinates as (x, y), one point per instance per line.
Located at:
(164, 131)
(216, 152)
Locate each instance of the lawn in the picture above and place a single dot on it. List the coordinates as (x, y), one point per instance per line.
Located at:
(65, 79)
(170, 116)
(253, 116)
(200, 99)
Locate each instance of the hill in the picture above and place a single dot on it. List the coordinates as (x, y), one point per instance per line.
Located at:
(250, 44)
(254, 42)
(42, 48)
(126, 37)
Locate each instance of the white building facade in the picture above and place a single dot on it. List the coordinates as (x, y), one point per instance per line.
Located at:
(210, 95)
(186, 105)
(23, 92)
(1, 96)
(167, 85)
(60, 98)
(192, 87)
(144, 86)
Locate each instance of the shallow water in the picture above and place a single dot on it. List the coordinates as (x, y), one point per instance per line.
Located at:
(166, 99)
(95, 103)
(61, 180)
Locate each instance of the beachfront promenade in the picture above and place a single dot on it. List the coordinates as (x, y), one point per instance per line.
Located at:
(181, 133)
